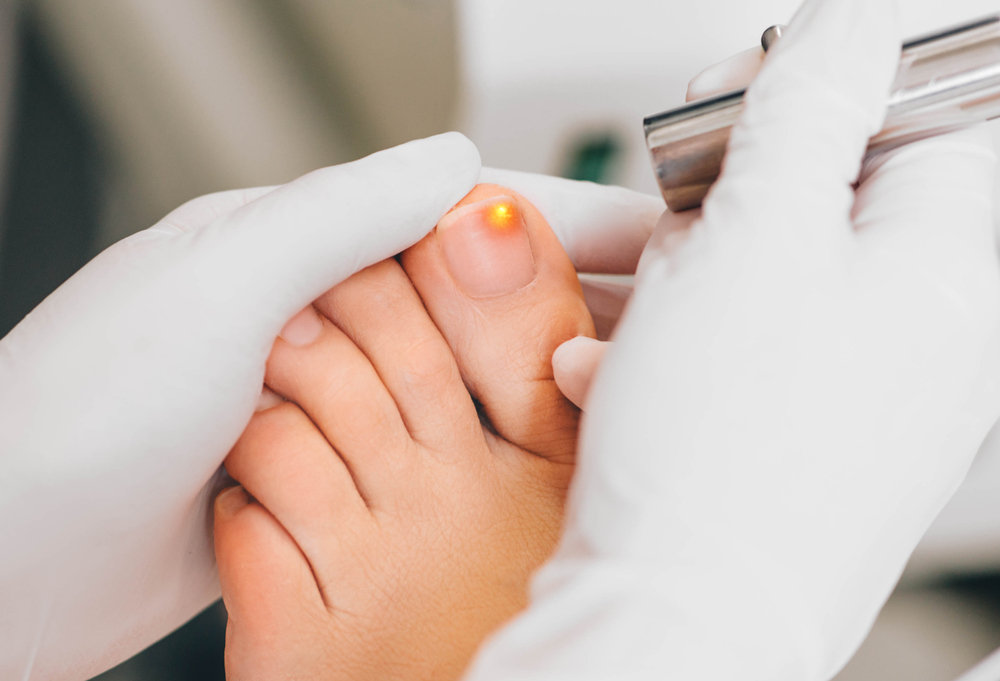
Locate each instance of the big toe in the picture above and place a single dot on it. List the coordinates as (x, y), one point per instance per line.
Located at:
(504, 294)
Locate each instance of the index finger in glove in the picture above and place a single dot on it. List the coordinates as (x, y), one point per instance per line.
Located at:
(821, 94)
(204, 209)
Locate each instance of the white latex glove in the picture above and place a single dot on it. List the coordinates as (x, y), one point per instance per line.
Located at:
(576, 363)
(123, 391)
(797, 387)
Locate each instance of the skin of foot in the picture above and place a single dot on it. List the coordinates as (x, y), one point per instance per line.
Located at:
(397, 496)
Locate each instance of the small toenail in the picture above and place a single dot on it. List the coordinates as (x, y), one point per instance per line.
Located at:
(268, 399)
(231, 500)
(304, 328)
(486, 247)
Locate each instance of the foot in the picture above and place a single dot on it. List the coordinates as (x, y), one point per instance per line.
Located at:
(394, 505)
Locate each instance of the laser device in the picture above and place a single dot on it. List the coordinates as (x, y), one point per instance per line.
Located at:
(946, 81)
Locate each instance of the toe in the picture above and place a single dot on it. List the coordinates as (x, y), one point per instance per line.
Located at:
(264, 576)
(379, 310)
(504, 294)
(339, 390)
(286, 464)
(294, 473)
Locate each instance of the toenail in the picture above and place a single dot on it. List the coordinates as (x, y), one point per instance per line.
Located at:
(268, 399)
(486, 247)
(231, 500)
(303, 328)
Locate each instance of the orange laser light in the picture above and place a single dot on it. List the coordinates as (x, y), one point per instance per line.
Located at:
(502, 215)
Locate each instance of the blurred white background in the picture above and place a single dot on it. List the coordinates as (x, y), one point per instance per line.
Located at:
(112, 112)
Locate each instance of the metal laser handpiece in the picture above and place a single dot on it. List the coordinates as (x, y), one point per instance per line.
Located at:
(946, 81)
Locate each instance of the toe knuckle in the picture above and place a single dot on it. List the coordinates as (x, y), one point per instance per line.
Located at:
(428, 362)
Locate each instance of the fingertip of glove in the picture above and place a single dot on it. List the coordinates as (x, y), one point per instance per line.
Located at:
(821, 94)
(445, 165)
(461, 144)
(449, 157)
(846, 52)
(574, 364)
(562, 358)
(736, 72)
(452, 151)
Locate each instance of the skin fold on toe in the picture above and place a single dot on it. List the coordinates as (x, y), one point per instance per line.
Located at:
(396, 500)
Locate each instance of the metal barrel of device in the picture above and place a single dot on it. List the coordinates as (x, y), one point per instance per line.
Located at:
(946, 81)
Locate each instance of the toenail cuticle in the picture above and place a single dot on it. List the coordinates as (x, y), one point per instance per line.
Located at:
(304, 328)
(486, 247)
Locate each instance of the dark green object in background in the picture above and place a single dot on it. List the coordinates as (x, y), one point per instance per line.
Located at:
(192, 653)
(51, 205)
(594, 158)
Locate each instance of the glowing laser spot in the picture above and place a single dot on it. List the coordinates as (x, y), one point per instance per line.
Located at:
(502, 215)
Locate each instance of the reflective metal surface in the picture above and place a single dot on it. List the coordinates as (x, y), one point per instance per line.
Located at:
(771, 36)
(946, 81)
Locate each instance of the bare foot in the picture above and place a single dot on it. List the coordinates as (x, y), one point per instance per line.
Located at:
(393, 524)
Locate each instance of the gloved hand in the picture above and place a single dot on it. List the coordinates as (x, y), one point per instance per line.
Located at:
(798, 385)
(123, 391)
(576, 362)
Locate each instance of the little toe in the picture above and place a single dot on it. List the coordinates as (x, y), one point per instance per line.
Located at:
(503, 292)
(263, 574)
(269, 591)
